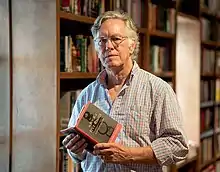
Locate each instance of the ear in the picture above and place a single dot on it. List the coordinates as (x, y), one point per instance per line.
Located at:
(132, 47)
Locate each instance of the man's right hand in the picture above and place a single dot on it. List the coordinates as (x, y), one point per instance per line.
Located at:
(74, 143)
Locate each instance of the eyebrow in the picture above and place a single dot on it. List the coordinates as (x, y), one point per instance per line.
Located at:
(111, 35)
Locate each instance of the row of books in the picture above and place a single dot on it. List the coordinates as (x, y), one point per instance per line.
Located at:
(209, 57)
(161, 18)
(160, 59)
(212, 5)
(206, 120)
(212, 168)
(90, 8)
(210, 120)
(133, 8)
(210, 124)
(93, 8)
(206, 147)
(66, 104)
(217, 167)
(210, 90)
(217, 61)
(218, 144)
(67, 101)
(77, 54)
(217, 118)
(65, 162)
(210, 31)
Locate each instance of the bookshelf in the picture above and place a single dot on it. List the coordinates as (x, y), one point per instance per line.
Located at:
(77, 75)
(161, 41)
(210, 86)
(157, 52)
(188, 9)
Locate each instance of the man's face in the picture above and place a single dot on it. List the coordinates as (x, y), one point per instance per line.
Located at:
(113, 43)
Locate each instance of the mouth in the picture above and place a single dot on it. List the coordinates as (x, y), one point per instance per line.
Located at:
(110, 55)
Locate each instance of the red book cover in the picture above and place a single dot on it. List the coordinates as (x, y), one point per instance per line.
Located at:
(95, 126)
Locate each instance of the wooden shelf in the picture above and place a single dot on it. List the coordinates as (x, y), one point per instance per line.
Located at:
(77, 18)
(166, 3)
(77, 75)
(207, 104)
(207, 163)
(164, 74)
(212, 75)
(218, 17)
(84, 75)
(86, 19)
(187, 161)
(187, 16)
(206, 11)
(162, 34)
(211, 44)
(142, 30)
(218, 157)
(217, 103)
(210, 162)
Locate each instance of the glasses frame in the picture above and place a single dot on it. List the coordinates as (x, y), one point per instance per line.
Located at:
(100, 44)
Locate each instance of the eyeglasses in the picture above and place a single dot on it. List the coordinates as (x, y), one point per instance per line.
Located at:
(115, 40)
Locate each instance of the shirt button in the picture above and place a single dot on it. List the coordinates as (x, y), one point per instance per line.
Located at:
(122, 93)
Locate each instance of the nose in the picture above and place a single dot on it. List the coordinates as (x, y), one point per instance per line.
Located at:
(109, 45)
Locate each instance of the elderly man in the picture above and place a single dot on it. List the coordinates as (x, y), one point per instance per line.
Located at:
(146, 106)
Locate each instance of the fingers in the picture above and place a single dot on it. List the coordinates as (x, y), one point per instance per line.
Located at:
(78, 146)
(103, 152)
(81, 149)
(103, 146)
(67, 131)
(74, 143)
(67, 139)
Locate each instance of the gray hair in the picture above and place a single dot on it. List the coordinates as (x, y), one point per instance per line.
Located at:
(129, 23)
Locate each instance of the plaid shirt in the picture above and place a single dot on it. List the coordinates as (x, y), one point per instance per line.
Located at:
(147, 108)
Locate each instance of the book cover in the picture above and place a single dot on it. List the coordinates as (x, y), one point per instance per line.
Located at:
(95, 126)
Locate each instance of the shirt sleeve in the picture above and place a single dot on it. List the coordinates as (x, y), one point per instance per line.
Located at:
(74, 116)
(170, 145)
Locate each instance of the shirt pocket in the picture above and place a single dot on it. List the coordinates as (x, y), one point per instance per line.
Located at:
(137, 125)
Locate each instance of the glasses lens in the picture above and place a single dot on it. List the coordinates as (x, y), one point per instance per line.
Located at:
(115, 40)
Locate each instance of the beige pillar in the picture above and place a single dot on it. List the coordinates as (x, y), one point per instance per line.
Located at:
(4, 87)
(34, 85)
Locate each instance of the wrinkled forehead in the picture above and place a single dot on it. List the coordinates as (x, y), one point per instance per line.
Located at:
(112, 27)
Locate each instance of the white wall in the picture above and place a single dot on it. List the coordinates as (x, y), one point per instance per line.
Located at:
(188, 75)
(34, 85)
(4, 86)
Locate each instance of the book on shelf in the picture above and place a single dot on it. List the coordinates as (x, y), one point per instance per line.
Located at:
(95, 126)
(161, 18)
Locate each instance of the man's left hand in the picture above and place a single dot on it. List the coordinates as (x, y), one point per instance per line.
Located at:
(113, 153)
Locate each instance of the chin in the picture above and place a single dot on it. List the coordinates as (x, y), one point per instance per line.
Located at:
(112, 65)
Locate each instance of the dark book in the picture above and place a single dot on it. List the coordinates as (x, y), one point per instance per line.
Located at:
(95, 126)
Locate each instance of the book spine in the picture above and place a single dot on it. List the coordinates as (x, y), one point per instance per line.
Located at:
(86, 135)
(115, 133)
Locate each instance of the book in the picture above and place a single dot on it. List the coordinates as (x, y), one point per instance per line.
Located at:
(95, 126)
